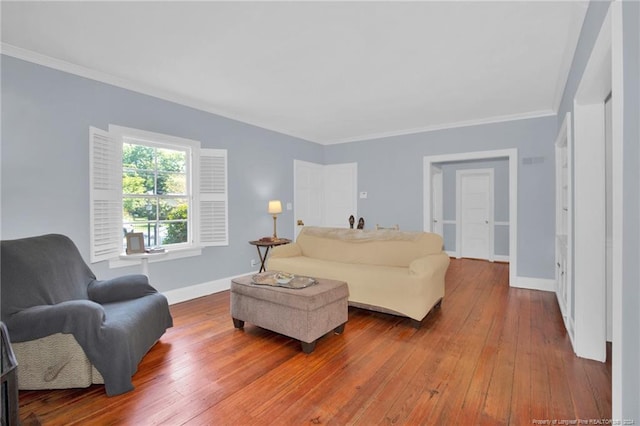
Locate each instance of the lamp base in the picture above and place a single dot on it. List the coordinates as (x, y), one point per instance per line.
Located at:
(275, 236)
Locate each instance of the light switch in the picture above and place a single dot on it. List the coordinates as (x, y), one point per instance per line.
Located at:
(289, 206)
(363, 194)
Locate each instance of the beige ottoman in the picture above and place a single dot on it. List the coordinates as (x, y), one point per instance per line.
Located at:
(304, 314)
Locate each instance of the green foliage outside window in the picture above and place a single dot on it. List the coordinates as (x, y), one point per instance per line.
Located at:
(155, 192)
(177, 231)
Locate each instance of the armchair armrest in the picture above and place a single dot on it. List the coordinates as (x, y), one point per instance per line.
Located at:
(430, 265)
(42, 320)
(287, 250)
(117, 289)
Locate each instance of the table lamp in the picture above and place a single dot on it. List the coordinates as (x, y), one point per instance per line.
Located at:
(275, 208)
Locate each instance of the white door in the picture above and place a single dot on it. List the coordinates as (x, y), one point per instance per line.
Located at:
(324, 195)
(307, 195)
(474, 211)
(340, 194)
(437, 226)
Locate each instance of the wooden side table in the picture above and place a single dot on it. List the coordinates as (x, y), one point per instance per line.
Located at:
(267, 244)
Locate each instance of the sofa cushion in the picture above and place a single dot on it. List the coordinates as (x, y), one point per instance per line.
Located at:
(376, 247)
(395, 288)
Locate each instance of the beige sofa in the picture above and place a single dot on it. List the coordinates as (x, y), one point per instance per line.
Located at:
(390, 271)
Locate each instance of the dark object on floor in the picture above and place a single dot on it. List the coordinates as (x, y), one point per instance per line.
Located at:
(49, 293)
(8, 381)
(352, 220)
(361, 223)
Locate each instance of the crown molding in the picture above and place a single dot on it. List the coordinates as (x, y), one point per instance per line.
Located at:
(92, 74)
(445, 126)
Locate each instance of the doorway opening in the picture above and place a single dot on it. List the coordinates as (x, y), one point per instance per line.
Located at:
(431, 165)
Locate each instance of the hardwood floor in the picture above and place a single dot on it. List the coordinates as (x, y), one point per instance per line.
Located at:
(491, 355)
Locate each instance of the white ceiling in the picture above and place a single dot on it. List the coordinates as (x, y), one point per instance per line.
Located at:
(327, 72)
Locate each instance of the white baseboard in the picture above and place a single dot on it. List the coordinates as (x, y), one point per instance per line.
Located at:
(535, 283)
(496, 257)
(204, 289)
(198, 290)
(569, 324)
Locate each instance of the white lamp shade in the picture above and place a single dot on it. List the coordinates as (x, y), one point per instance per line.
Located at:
(275, 207)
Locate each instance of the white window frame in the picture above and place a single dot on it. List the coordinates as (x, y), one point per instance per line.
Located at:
(189, 147)
(208, 220)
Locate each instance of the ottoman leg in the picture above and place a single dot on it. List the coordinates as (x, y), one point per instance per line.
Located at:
(238, 323)
(339, 329)
(307, 348)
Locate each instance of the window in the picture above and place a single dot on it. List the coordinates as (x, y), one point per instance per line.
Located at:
(155, 192)
(168, 188)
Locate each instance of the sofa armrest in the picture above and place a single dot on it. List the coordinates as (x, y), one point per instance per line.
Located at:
(286, 250)
(118, 289)
(42, 320)
(429, 265)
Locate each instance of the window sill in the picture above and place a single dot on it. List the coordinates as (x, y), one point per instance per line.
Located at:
(122, 261)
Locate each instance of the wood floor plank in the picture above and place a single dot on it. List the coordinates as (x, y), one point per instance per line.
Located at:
(540, 344)
(497, 404)
(323, 397)
(397, 405)
(490, 355)
(520, 412)
(463, 399)
(285, 385)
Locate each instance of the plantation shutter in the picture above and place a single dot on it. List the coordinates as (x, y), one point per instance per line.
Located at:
(105, 179)
(214, 224)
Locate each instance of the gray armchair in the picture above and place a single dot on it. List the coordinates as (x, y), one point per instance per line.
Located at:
(69, 329)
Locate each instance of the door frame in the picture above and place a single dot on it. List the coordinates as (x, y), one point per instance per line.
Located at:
(437, 201)
(512, 155)
(459, 202)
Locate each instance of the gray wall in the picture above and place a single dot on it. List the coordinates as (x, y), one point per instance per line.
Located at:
(391, 171)
(46, 116)
(50, 111)
(500, 206)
